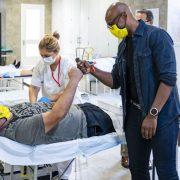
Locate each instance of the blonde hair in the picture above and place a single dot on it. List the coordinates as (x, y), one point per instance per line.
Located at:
(50, 43)
(56, 35)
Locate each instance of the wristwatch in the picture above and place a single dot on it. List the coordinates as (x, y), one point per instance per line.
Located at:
(154, 112)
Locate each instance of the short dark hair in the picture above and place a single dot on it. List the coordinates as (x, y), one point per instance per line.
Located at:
(148, 13)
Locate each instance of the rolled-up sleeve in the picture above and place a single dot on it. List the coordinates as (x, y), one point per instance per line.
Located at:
(36, 76)
(164, 56)
(116, 75)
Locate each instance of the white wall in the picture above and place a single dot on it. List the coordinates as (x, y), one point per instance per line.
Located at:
(83, 21)
(173, 25)
(64, 15)
(3, 25)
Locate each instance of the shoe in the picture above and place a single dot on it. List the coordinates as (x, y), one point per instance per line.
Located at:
(16, 63)
(125, 161)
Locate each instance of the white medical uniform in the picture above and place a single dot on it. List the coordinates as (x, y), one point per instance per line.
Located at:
(42, 77)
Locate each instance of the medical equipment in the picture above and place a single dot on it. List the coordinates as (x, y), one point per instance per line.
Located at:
(84, 53)
(13, 83)
(105, 64)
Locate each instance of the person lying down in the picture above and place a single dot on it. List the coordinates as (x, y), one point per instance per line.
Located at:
(44, 123)
(12, 71)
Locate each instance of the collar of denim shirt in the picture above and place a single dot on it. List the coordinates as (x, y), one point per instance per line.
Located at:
(140, 29)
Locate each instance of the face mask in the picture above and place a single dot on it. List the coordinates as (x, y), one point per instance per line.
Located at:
(119, 33)
(4, 112)
(49, 60)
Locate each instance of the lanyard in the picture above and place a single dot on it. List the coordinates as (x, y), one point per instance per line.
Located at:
(57, 81)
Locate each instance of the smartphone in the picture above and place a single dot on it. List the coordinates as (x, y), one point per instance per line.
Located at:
(78, 60)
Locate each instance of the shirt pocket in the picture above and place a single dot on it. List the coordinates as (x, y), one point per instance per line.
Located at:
(145, 60)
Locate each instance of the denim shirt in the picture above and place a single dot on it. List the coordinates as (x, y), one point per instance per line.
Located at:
(154, 62)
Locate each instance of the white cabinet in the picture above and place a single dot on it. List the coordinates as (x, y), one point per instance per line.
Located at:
(81, 23)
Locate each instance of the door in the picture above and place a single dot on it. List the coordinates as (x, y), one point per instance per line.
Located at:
(32, 30)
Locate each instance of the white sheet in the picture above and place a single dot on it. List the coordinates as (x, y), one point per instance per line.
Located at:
(18, 154)
(10, 98)
(9, 71)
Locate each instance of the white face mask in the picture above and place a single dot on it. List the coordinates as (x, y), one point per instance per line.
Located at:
(49, 60)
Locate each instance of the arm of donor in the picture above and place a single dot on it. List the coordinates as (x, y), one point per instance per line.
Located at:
(55, 97)
(64, 102)
(104, 77)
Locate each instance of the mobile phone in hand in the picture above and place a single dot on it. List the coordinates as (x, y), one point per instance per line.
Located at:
(78, 60)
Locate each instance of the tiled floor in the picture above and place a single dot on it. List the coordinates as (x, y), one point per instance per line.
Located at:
(105, 166)
(102, 166)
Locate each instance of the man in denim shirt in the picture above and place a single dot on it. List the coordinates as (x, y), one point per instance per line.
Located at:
(145, 69)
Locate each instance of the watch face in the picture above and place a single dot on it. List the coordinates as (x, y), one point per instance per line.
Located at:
(154, 112)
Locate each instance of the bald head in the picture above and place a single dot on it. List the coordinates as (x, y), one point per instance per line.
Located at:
(120, 14)
(116, 9)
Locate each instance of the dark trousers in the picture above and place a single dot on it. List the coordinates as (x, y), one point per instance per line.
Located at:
(163, 145)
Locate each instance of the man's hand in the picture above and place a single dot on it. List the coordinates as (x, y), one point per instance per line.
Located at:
(84, 66)
(148, 128)
(75, 74)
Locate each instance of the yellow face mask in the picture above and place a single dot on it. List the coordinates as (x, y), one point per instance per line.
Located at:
(5, 112)
(119, 33)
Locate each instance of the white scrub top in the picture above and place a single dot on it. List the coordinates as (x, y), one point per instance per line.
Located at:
(42, 77)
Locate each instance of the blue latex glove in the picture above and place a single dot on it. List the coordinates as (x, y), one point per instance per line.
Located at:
(44, 99)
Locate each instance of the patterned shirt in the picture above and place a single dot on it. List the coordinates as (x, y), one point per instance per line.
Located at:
(27, 109)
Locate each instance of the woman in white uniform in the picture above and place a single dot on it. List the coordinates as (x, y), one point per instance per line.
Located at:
(51, 73)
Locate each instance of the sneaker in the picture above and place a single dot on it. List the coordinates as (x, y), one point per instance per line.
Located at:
(16, 63)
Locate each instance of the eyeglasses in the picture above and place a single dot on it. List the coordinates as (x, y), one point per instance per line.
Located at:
(115, 21)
